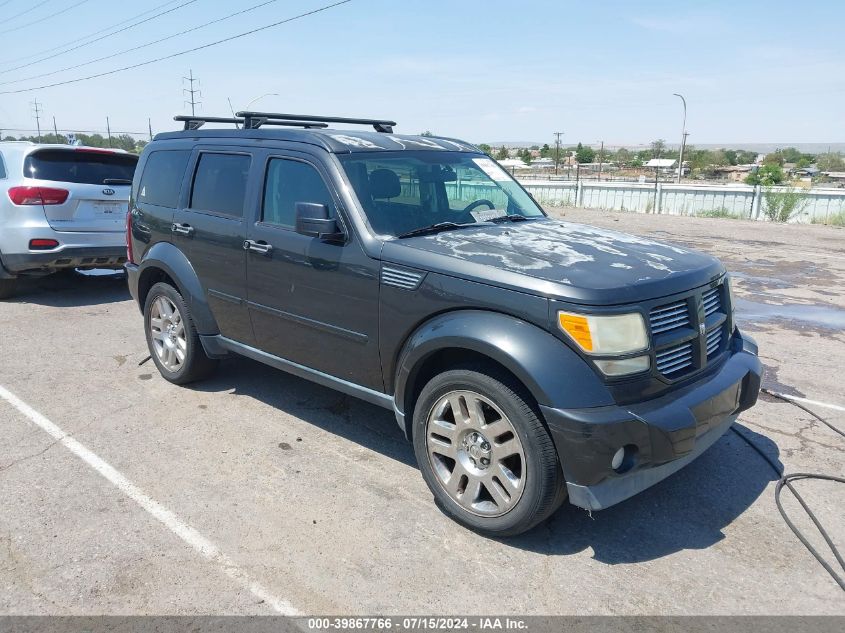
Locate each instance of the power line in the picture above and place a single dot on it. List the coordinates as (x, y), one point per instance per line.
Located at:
(180, 53)
(44, 19)
(84, 44)
(25, 11)
(140, 46)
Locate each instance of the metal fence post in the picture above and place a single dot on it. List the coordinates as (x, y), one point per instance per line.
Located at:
(658, 196)
(579, 194)
(755, 206)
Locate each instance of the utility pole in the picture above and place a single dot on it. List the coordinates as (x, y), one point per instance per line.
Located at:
(108, 130)
(150, 127)
(683, 137)
(557, 150)
(36, 108)
(55, 131)
(194, 93)
(601, 158)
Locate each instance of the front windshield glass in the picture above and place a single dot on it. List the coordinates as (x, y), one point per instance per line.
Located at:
(404, 191)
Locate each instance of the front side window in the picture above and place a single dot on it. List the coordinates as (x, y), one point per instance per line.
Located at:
(288, 182)
(220, 184)
(408, 190)
(161, 181)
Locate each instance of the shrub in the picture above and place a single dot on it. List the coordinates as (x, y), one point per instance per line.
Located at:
(780, 206)
(719, 213)
(837, 219)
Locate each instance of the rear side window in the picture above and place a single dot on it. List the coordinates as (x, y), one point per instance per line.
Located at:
(289, 182)
(220, 183)
(162, 179)
(79, 166)
(2, 168)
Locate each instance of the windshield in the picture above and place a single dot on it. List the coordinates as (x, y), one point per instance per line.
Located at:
(405, 191)
(89, 167)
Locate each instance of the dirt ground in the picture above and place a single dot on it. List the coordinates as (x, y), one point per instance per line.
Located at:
(272, 492)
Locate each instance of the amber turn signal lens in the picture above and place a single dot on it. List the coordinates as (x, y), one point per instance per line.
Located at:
(578, 328)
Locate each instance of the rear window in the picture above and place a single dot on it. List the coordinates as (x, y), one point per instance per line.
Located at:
(161, 182)
(90, 168)
(220, 183)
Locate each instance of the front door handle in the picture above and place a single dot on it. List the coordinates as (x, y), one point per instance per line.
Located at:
(182, 229)
(259, 247)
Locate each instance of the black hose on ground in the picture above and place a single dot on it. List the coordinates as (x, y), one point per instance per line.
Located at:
(785, 481)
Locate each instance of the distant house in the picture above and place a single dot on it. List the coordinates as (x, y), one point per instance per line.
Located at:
(662, 164)
(734, 173)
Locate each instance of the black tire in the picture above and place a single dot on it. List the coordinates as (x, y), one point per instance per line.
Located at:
(543, 489)
(196, 365)
(8, 288)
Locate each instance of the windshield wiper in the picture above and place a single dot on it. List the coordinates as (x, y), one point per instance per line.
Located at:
(437, 228)
(117, 181)
(511, 217)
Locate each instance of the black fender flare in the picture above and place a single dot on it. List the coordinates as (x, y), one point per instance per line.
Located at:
(166, 257)
(554, 374)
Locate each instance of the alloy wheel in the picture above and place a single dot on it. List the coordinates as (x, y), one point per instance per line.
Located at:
(475, 453)
(167, 330)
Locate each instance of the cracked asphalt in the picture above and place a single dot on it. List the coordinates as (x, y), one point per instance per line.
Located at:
(316, 497)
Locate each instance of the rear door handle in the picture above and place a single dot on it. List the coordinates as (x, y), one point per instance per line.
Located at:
(259, 247)
(182, 229)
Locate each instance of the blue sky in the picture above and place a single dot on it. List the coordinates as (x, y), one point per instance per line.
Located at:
(482, 70)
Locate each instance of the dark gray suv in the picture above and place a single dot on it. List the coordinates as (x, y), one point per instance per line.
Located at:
(527, 359)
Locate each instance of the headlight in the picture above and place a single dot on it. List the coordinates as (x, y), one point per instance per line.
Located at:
(611, 334)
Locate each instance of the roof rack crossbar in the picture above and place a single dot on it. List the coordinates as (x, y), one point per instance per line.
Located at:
(196, 122)
(380, 125)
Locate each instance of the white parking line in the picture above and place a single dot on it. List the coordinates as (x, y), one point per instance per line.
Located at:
(189, 535)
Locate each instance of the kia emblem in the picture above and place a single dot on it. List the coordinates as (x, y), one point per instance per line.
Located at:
(108, 191)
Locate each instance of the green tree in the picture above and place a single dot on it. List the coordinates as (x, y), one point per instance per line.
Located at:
(427, 133)
(545, 151)
(657, 148)
(584, 154)
(767, 175)
(623, 156)
(830, 162)
(484, 147)
(730, 155)
(775, 158)
(502, 153)
(780, 206)
(744, 157)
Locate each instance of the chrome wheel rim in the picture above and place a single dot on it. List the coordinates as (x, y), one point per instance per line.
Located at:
(167, 332)
(475, 453)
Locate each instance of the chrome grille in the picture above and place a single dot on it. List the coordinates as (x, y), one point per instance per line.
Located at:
(712, 301)
(669, 317)
(714, 341)
(674, 359)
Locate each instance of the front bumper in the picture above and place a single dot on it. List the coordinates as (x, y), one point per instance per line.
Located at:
(662, 435)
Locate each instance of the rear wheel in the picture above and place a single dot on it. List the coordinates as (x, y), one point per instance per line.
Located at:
(484, 452)
(172, 338)
(8, 287)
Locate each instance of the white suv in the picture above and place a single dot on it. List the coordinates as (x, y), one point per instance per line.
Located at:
(61, 206)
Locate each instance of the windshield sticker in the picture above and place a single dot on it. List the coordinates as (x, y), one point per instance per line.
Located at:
(355, 141)
(485, 215)
(491, 169)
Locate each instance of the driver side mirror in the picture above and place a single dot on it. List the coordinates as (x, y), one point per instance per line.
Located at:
(313, 220)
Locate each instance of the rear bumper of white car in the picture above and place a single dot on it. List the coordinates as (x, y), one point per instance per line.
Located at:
(74, 250)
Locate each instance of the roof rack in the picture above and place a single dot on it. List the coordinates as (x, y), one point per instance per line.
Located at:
(196, 122)
(380, 125)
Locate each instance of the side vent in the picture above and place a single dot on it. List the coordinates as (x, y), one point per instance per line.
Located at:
(401, 277)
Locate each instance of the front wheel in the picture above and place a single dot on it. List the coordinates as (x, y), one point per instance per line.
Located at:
(172, 338)
(485, 454)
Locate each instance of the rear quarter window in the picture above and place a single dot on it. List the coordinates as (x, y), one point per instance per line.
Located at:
(161, 181)
(79, 166)
(2, 168)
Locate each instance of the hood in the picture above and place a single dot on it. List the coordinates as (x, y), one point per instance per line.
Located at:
(561, 259)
